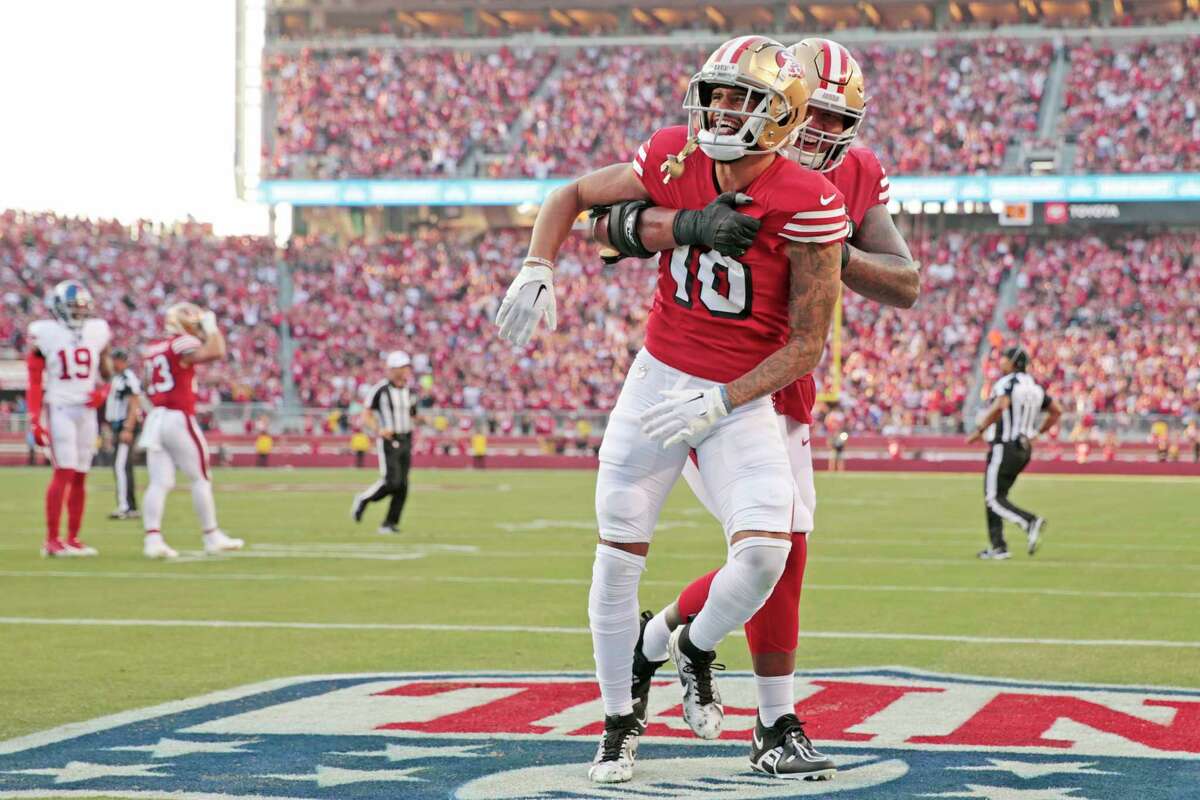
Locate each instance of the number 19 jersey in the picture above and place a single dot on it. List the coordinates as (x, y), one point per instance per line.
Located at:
(168, 382)
(717, 317)
(72, 358)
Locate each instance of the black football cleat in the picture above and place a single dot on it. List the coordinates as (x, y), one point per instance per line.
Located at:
(785, 751)
(643, 673)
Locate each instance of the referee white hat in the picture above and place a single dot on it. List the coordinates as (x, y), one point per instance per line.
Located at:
(398, 358)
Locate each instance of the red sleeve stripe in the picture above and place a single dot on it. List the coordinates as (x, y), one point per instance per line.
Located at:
(885, 196)
(185, 344)
(826, 213)
(637, 168)
(829, 228)
(842, 233)
(884, 182)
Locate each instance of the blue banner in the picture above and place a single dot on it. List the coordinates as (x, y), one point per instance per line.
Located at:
(1161, 186)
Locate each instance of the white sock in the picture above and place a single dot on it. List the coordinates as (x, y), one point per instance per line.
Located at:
(776, 697)
(739, 589)
(162, 478)
(613, 618)
(154, 538)
(205, 507)
(654, 640)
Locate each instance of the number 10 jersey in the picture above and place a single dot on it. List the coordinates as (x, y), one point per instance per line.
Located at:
(717, 317)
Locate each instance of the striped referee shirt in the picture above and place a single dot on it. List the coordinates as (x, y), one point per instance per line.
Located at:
(123, 385)
(393, 406)
(1026, 402)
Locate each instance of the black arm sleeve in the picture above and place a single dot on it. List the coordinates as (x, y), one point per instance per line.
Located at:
(622, 228)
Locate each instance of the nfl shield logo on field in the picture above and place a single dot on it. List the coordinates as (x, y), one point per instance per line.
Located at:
(893, 732)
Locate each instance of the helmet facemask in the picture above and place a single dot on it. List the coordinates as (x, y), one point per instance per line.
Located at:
(759, 108)
(821, 150)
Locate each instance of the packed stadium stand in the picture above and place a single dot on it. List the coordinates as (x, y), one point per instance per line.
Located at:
(134, 272)
(945, 106)
(1112, 322)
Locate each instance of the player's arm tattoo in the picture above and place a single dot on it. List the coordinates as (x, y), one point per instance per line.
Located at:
(881, 267)
(813, 295)
(563, 206)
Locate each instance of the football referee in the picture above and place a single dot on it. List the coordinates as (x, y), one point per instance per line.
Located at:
(1010, 423)
(121, 413)
(389, 416)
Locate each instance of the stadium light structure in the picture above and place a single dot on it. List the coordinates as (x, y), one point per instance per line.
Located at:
(248, 115)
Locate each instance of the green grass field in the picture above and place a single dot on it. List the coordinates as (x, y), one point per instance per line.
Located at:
(893, 554)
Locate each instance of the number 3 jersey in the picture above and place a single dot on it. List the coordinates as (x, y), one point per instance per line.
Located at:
(72, 358)
(168, 382)
(717, 317)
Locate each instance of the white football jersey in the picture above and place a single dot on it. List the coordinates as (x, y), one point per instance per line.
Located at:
(72, 358)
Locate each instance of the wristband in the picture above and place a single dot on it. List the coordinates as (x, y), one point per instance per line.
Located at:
(845, 254)
(535, 261)
(725, 398)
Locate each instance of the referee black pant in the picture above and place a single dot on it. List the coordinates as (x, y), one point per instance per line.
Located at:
(123, 471)
(395, 459)
(1004, 463)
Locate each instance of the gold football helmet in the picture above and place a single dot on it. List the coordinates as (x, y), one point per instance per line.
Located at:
(773, 111)
(183, 318)
(835, 84)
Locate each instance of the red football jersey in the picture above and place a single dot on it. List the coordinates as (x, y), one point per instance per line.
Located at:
(169, 383)
(713, 316)
(863, 183)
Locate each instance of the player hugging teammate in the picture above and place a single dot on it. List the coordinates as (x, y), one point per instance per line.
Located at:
(751, 247)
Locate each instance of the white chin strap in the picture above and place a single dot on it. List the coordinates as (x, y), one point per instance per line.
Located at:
(723, 147)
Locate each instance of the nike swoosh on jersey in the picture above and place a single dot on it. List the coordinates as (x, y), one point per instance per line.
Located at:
(827, 200)
(805, 442)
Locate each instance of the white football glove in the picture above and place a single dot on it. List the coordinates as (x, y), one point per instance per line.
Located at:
(528, 299)
(208, 323)
(684, 415)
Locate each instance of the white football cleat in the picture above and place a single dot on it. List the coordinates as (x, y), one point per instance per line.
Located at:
(618, 749)
(74, 548)
(155, 547)
(702, 709)
(217, 542)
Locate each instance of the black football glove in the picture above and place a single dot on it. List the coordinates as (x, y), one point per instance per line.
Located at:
(718, 225)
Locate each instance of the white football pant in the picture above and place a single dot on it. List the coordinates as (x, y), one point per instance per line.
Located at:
(72, 430)
(173, 440)
(799, 447)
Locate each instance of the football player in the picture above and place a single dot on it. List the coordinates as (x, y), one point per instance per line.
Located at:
(170, 435)
(66, 355)
(725, 331)
(877, 265)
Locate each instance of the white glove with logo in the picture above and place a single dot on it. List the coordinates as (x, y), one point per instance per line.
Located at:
(528, 299)
(684, 415)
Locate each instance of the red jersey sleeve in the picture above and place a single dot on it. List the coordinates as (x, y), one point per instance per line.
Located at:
(649, 158)
(182, 345)
(873, 179)
(807, 208)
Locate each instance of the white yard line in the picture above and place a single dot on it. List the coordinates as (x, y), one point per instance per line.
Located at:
(432, 627)
(176, 575)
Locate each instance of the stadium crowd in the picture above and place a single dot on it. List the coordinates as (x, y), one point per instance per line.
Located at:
(1111, 323)
(134, 273)
(1133, 108)
(948, 107)
(417, 113)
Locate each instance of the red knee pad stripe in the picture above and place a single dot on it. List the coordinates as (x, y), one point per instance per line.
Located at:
(775, 628)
